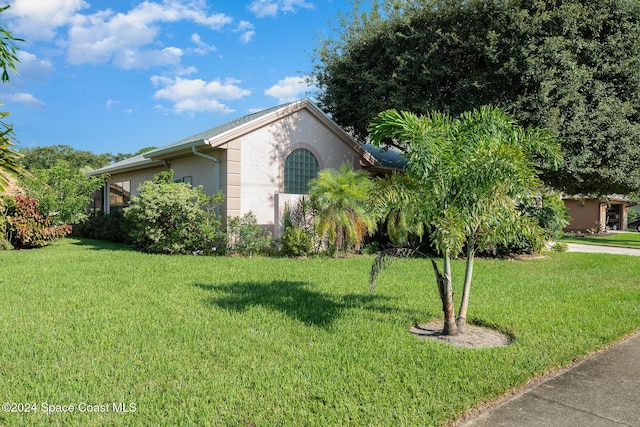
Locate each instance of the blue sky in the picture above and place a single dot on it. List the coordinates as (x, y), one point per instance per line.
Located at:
(117, 75)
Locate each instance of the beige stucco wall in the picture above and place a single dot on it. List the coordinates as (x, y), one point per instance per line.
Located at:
(202, 172)
(585, 214)
(136, 178)
(263, 153)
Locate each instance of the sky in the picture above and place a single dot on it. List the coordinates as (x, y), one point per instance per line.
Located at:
(115, 76)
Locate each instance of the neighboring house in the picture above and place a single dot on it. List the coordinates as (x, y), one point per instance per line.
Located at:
(591, 214)
(260, 162)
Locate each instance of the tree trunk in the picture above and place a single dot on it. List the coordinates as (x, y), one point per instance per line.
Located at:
(446, 295)
(461, 321)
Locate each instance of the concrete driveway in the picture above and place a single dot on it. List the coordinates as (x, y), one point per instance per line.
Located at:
(578, 247)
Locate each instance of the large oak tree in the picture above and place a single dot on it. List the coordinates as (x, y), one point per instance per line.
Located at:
(570, 66)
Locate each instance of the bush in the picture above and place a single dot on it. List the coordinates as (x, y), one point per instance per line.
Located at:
(4, 243)
(173, 218)
(246, 237)
(296, 242)
(550, 212)
(547, 217)
(111, 227)
(299, 236)
(27, 226)
(61, 189)
(560, 247)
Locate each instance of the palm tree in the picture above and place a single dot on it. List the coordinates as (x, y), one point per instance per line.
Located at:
(340, 196)
(469, 173)
(8, 60)
(8, 157)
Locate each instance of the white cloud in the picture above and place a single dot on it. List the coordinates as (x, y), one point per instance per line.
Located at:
(246, 31)
(197, 95)
(25, 98)
(33, 68)
(201, 48)
(263, 8)
(289, 89)
(143, 59)
(39, 19)
(110, 103)
(105, 35)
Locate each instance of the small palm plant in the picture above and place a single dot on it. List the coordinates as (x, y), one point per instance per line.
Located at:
(341, 198)
(463, 179)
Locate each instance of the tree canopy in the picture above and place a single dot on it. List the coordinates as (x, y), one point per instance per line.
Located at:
(571, 66)
(46, 157)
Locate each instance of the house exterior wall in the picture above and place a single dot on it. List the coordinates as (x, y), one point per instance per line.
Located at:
(202, 172)
(232, 179)
(263, 153)
(251, 159)
(136, 178)
(591, 214)
(585, 214)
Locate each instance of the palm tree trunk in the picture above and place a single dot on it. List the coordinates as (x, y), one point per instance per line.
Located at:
(446, 295)
(461, 321)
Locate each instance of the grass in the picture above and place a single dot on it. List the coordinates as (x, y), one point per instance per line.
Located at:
(624, 240)
(262, 342)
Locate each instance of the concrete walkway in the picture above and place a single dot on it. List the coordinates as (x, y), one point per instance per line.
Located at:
(579, 247)
(603, 390)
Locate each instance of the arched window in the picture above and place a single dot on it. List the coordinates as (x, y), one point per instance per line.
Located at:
(301, 165)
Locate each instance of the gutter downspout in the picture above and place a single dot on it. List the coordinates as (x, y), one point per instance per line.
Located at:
(217, 162)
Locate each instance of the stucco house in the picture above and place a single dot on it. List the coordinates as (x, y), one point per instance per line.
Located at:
(260, 161)
(597, 214)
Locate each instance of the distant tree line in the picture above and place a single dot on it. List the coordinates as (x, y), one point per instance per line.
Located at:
(46, 157)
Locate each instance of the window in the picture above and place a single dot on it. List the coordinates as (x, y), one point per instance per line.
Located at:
(119, 195)
(299, 168)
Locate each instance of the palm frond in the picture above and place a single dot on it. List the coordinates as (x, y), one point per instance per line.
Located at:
(385, 258)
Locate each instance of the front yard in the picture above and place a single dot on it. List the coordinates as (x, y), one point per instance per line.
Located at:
(189, 340)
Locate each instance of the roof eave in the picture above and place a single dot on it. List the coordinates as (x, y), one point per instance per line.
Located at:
(161, 154)
(126, 168)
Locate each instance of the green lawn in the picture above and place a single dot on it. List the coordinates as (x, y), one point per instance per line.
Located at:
(266, 342)
(625, 240)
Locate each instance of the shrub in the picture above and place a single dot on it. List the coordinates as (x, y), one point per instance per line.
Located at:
(298, 236)
(61, 189)
(560, 247)
(173, 218)
(547, 216)
(5, 245)
(550, 212)
(111, 227)
(246, 237)
(296, 242)
(28, 227)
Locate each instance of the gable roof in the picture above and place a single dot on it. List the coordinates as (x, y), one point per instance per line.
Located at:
(219, 135)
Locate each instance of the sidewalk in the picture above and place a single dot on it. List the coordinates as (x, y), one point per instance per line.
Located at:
(603, 390)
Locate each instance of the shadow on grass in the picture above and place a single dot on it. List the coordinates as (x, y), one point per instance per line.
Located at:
(99, 245)
(294, 299)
